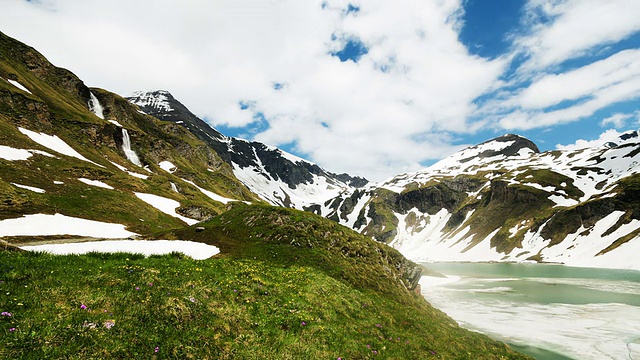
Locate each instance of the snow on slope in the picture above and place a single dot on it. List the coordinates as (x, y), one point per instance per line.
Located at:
(277, 192)
(592, 168)
(44, 225)
(13, 154)
(195, 250)
(19, 86)
(54, 143)
(157, 99)
(166, 205)
(96, 183)
(593, 171)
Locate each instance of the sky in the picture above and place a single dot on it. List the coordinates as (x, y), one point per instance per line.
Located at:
(372, 88)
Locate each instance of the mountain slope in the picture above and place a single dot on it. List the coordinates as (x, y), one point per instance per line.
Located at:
(503, 200)
(276, 176)
(68, 149)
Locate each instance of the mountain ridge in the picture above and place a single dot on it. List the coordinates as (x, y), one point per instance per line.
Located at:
(281, 178)
(523, 189)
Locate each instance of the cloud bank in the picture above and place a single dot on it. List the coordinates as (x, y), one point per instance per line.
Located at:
(370, 88)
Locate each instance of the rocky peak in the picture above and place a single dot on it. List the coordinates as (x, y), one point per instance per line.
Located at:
(508, 145)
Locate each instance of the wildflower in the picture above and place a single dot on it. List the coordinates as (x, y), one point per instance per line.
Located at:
(304, 323)
(368, 346)
(137, 287)
(150, 284)
(192, 299)
(7, 314)
(375, 352)
(378, 325)
(156, 349)
(109, 324)
(12, 329)
(83, 306)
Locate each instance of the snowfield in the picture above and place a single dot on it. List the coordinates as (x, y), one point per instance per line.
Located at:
(58, 224)
(195, 250)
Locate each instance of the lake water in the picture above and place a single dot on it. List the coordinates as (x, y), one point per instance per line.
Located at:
(547, 311)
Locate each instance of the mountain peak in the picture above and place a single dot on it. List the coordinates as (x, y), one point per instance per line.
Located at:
(513, 144)
(153, 101)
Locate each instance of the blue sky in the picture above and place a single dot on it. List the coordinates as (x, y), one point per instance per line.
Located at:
(372, 88)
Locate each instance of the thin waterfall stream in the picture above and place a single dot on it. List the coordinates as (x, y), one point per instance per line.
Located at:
(126, 147)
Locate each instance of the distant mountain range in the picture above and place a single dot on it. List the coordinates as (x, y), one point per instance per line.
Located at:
(66, 148)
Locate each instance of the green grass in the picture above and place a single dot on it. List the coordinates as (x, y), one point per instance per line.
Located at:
(261, 298)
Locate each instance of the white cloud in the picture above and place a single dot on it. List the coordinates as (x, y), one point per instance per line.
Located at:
(345, 116)
(575, 28)
(588, 81)
(619, 120)
(610, 135)
(542, 93)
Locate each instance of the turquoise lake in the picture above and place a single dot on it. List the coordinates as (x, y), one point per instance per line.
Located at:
(546, 311)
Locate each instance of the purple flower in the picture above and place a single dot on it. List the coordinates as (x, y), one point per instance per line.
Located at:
(378, 325)
(12, 329)
(83, 306)
(137, 287)
(375, 352)
(109, 324)
(368, 346)
(156, 349)
(7, 314)
(304, 323)
(150, 284)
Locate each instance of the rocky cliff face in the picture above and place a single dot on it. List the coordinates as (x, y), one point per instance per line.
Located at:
(278, 177)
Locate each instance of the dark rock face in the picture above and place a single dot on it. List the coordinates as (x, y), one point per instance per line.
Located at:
(237, 151)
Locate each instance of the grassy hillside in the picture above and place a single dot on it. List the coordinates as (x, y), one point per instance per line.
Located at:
(312, 290)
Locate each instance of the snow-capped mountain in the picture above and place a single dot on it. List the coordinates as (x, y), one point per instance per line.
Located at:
(501, 200)
(504, 200)
(68, 150)
(276, 176)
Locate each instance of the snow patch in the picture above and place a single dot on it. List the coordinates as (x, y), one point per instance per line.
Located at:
(45, 225)
(167, 166)
(195, 250)
(167, 206)
(18, 85)
(31, 188)
(54, 143)
(96, 183)
(13, 154)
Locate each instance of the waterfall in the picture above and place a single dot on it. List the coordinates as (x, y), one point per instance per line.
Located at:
(126, 147)
(94, 106)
